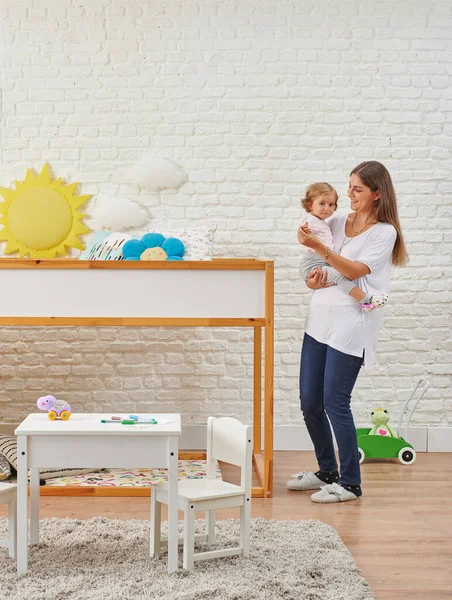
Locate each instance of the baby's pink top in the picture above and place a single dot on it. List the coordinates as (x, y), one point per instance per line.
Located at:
(319, 228)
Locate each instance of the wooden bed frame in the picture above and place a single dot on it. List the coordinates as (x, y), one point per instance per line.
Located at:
(229, 292)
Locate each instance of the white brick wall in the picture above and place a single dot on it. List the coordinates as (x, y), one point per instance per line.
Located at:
(255, 99)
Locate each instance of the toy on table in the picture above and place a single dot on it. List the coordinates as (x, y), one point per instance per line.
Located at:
(58, 409)
(380, 418)
(381, 441)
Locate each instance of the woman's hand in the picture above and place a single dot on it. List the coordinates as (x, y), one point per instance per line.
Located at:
(306, 237)
(317, 279)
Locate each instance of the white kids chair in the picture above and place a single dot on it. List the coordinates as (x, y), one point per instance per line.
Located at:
(229, 441)
(8, 496)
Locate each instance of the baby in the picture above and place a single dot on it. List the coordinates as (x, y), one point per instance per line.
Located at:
(320, 203)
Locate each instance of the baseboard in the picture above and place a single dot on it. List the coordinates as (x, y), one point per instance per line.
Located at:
(440, 439)
(193, 437)
(291, 437)
(287, 437)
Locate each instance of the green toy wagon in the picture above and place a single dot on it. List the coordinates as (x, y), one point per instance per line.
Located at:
(379, 446)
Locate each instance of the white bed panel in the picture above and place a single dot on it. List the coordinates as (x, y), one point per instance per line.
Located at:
(132, 293)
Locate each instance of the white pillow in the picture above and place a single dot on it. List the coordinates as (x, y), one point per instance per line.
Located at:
(198, 241)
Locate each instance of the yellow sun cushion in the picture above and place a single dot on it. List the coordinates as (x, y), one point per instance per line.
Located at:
(40, 218)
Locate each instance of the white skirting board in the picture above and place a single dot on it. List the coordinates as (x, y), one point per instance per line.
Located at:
(295, 437)
(424, 439)
(440, 439)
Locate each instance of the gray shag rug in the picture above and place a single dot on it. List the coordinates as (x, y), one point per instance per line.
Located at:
(106, 559)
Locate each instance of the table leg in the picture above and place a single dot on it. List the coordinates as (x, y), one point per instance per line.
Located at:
(34, 507)
(22, 504)
(173, 468)
(12, 526)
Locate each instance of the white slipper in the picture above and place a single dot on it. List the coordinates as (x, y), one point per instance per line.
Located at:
(333, 493)
(304, 481)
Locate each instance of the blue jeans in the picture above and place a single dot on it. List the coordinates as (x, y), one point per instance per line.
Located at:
(327, 378)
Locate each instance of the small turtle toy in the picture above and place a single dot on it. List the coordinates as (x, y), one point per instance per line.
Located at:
(57, 409)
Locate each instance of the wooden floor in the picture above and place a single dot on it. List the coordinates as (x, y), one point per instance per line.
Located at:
(399, 532)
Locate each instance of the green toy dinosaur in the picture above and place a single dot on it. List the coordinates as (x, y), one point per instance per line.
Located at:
(380, 418)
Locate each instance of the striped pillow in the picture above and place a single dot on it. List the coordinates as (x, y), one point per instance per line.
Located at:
(8, 449)
(5, 469)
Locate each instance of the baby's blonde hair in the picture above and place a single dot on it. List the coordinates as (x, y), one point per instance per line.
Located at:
(314, 191)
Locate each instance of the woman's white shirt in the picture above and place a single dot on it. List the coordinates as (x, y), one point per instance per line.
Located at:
(335, 318)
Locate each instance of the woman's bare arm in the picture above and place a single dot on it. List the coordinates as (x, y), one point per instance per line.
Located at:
(352, 269)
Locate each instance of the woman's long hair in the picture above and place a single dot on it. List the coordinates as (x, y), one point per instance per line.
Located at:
(376, 177)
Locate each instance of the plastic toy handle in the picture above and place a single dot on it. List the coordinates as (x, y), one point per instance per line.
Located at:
(420, 383)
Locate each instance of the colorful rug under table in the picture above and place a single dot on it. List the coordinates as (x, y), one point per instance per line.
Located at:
(114, 478)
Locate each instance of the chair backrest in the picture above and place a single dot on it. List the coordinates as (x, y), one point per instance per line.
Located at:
(230, 441)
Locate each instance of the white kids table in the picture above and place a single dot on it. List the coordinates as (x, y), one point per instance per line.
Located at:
(83, 441)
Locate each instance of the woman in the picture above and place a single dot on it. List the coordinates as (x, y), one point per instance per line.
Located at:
(339, 336)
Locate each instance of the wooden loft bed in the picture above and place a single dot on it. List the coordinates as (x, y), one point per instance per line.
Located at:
(229, 292)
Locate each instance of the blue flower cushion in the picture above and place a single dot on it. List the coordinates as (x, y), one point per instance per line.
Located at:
(153, 246)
